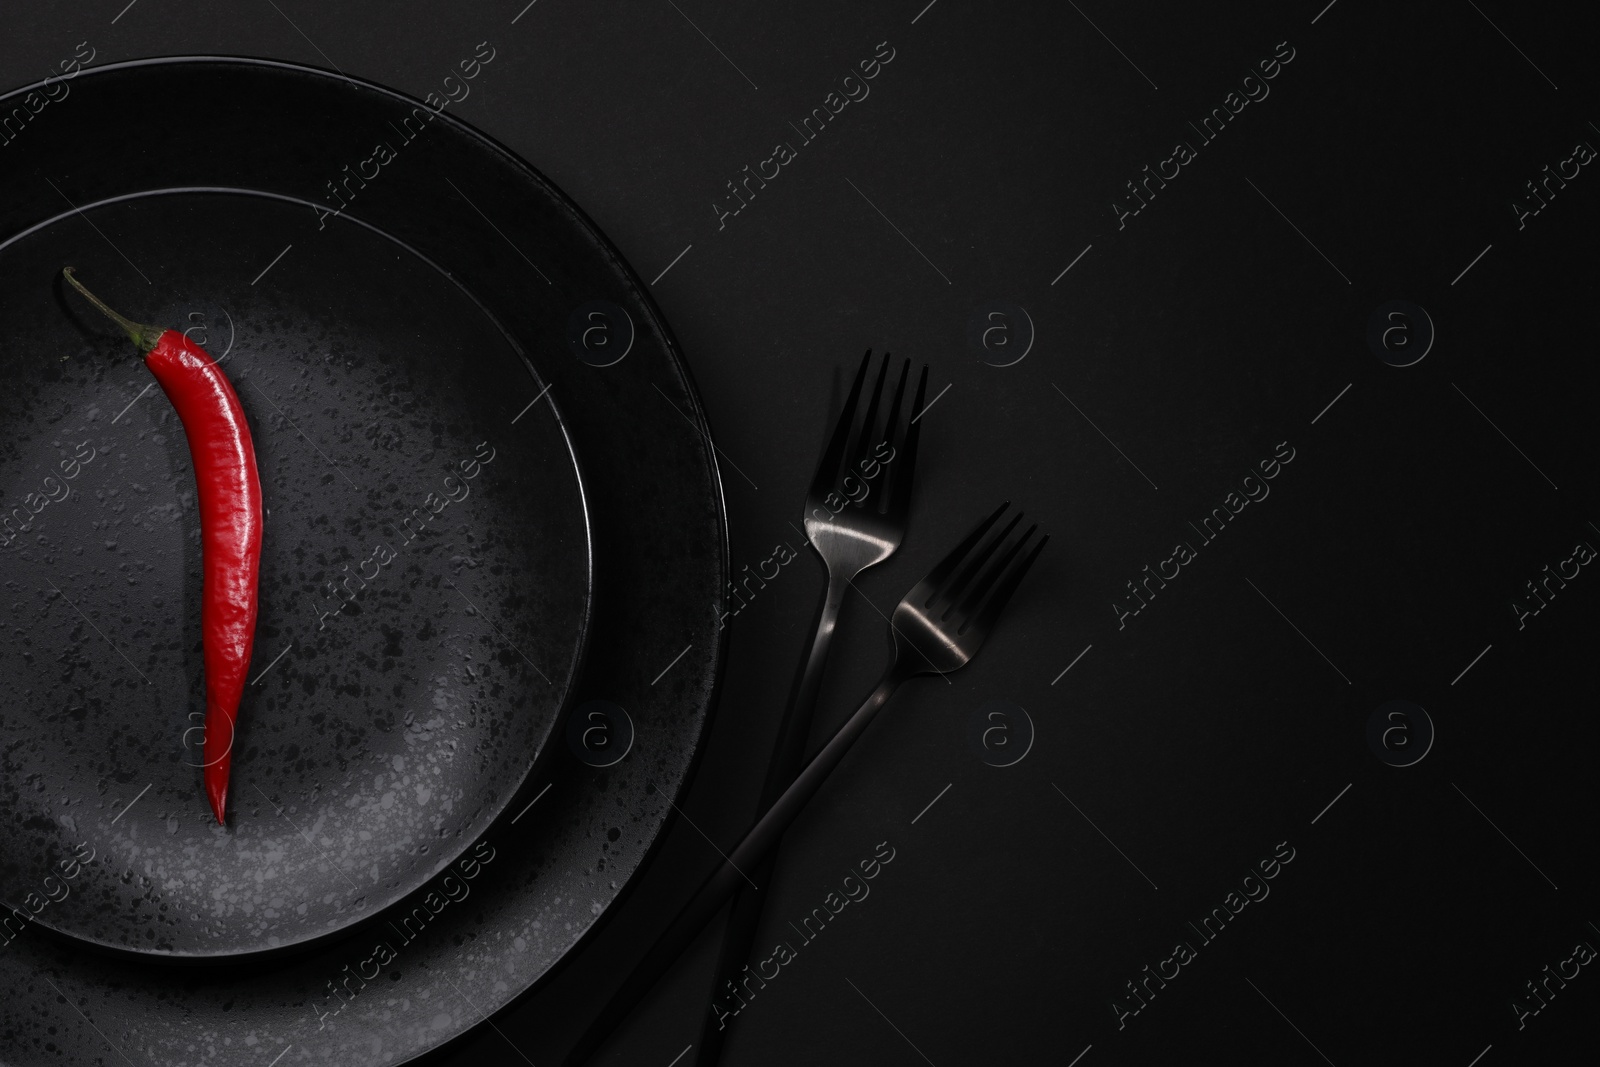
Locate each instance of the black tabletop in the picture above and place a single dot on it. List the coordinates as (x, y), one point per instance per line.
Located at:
(1278, 317)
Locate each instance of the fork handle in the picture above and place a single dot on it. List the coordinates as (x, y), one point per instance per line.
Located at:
(756, 845)
(788, 757)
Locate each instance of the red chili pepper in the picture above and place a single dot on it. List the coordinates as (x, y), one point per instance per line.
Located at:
(229, 491)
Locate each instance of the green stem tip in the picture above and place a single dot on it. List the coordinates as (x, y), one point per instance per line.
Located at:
(146, 337)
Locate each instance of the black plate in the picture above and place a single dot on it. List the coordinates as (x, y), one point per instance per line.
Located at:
(430, 967)
(424, 578)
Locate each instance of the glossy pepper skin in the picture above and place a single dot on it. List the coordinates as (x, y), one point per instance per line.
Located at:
(229, 496)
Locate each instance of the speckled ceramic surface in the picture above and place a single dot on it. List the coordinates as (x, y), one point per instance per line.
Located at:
(424, 581)
(419, 708)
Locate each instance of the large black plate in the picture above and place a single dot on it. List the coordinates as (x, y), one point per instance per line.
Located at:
(540, 879)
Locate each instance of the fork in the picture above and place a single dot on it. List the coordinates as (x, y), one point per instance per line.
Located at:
(850, 532)
(938, 628)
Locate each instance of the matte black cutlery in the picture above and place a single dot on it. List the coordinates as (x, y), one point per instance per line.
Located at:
(855, 517)
(937, 628)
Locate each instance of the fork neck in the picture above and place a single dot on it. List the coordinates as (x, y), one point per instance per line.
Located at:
(892, 679)
(795, 728)
(805, 698)
(833, 602)
(857, 723)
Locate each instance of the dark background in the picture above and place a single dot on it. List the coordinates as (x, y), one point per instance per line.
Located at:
(1220, 321)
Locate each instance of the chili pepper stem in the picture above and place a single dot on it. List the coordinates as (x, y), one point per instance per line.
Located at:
(146, 337)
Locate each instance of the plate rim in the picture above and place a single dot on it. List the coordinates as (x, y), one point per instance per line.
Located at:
(574, 666)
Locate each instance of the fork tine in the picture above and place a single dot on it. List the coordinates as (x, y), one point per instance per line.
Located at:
(891, 425)
(833, 456)
(899, 477)
(963, 579)
(891, 437)
(863, 430)
(979, 586)
(985, 618)
(923, 593)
